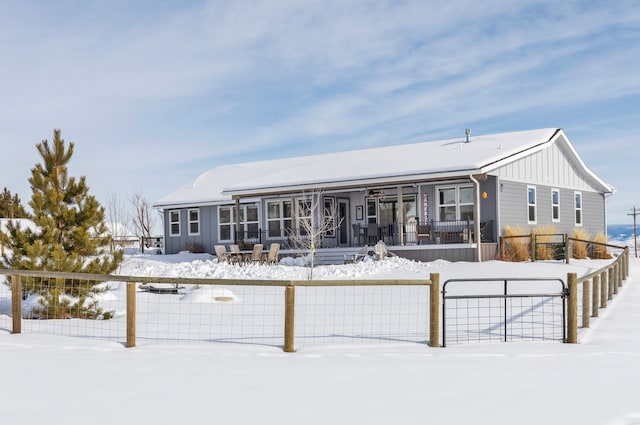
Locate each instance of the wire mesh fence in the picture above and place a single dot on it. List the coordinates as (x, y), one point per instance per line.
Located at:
(152, 310)
(211, 311)
(362, 315)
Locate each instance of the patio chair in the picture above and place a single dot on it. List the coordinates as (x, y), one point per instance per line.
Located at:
(221, 253)
(235, 256)
(423, 233)
(272, 255)
(372, 233)
(256, 254)
(359, 256)
(357, 234)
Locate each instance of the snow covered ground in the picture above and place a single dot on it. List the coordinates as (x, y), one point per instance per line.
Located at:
(67, 380)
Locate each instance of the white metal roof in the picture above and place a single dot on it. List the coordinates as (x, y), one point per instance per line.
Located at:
(425, 160)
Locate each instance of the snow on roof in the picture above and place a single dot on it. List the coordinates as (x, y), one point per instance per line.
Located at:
(453, 156)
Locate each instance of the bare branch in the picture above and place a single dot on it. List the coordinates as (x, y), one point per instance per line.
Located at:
(317, 218)
(142, 219)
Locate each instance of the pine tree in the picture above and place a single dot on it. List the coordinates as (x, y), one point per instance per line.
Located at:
(11, 206)
(70, 236)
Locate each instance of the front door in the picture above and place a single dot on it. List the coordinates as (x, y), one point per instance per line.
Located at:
(343, 219)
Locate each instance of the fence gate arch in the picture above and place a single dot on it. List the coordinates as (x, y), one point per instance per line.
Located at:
(503, 309)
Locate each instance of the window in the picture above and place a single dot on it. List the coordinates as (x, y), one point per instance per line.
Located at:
(174, 223)
(278, 219)
(578, 197)
(330, 216)
(305, 221)
(372, 211)
(555, 205)
(531, 204)
(466, 203)
(225, 223)
(194, 222)
(248, 222)
(455, 203)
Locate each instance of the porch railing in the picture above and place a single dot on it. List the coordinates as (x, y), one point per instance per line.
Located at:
(414, 233)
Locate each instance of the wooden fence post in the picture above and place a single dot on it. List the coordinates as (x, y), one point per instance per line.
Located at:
(289, 317)
(586, 305)
(16, 304)
(434, 310)
(532, 239)
(572, 313)
(131, 315)
(596, 296)
(568, 251)
(604, 289)
(610, 283)
(626, 261)
(614, 279)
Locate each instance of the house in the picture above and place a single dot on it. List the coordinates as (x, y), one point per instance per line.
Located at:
(442, 199)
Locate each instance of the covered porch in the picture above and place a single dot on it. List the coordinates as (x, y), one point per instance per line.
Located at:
(431, 215)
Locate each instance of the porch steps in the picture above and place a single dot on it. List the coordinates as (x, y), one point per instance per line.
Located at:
(330, 256)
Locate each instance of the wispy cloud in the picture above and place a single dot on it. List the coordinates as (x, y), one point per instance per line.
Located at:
(189, 84)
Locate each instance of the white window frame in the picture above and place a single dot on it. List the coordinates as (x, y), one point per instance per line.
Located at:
(244, 224)
(191, 221)
(329, 209)
(532, 206)
(371, 210)
(578, 209)
(304, 213)
(284, 222)
(174, 214)
(456, 203)
(555, 205)
(230, 223)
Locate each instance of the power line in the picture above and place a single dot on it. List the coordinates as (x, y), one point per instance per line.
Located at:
(635, 233)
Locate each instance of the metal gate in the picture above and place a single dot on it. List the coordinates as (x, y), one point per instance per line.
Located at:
(503, 309)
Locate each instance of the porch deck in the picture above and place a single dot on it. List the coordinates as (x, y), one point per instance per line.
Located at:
(430, 252)
(360, 234)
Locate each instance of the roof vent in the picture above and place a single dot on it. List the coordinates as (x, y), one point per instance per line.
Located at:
(468, 133)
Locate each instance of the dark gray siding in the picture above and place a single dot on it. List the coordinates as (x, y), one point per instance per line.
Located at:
(513, 204)
(489, 205)
(449, 253)
(593, 211)
(206, 238)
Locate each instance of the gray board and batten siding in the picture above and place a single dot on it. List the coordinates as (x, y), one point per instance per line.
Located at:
(547, 170)
(513, 201)
(208, 231)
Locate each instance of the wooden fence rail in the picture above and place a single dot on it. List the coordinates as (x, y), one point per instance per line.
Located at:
(598, 288)
(289, 300)
(566, 243)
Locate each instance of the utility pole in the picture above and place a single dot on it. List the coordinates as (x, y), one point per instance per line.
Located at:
(635, 233)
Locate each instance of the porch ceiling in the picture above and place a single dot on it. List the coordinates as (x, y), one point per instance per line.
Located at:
(351, 185)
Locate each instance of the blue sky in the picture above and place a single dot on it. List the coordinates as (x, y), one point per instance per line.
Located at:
(155, 93)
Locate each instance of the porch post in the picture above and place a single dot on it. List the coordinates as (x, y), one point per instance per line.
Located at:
(237, 218)
(477, 238)
(294, 220)
(400, 216)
